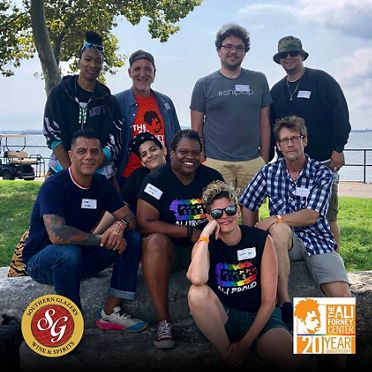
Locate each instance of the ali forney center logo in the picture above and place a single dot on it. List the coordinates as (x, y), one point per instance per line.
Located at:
(324, 325)
(52, 325)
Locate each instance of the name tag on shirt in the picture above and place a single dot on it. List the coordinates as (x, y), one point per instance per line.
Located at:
(89, 204)
(304, 94)
(302, 191)
(241, 88)
(246, 254)
(153, 191)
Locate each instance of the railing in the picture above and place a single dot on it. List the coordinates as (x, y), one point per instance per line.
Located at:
(357, 159)
(357, 168)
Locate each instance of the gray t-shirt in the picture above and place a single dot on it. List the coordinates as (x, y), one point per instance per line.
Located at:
(232, 113)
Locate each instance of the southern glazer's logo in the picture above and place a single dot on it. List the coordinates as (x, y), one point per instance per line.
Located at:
(324, 325)
(52, 325)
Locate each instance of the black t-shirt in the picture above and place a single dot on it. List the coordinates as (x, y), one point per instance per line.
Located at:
(132, 186)
(178, 203)
(235, 271)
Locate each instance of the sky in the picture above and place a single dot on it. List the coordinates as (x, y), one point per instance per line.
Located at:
(337, 35)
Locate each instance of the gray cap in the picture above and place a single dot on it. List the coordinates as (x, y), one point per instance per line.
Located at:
(289, 44)
(141, 54)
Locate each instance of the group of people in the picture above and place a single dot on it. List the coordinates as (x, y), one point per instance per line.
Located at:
(129, 187)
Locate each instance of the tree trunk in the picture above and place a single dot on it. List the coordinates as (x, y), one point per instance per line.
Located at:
(48, 62)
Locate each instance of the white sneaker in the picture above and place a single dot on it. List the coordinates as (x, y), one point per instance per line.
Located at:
(164, 336)
(119, 320)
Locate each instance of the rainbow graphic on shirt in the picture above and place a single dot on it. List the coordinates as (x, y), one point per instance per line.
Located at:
(235, 275)
(188, 209)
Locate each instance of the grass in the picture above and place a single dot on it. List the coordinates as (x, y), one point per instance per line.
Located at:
(355, 220)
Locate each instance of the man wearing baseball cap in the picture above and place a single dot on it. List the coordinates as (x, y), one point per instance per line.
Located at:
(315, 96)
(144, 110)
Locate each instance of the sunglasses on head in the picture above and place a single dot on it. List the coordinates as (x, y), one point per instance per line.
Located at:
(88, 45)
(292, 53)
(230, 210)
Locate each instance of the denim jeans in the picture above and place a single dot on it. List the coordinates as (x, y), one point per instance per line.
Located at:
(65, 265)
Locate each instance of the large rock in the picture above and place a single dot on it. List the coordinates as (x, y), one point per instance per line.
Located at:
(120, 350)
(17, 293)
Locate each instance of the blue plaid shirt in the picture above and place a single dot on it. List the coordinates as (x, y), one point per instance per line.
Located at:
(311, 190)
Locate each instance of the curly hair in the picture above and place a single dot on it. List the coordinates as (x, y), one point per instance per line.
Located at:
(218, 190)
(232, 29)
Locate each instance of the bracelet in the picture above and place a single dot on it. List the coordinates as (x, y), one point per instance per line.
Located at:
(279, 218)
(203, 239)
(189, 232)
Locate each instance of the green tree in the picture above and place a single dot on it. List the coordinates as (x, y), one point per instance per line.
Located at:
(54, 29)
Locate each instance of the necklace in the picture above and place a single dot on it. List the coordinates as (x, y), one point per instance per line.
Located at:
(291, 94)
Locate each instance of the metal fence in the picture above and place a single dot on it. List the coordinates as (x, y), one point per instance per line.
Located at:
(358, 162)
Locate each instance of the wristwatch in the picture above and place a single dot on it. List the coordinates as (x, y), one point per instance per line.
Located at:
(279, 218)
(125, 222)
(339, 148)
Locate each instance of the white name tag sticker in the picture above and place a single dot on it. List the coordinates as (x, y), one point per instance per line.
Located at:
(89, 204)
(246, 253)
(304, 94)
(241, 88)
(153, 191)
(302, 191)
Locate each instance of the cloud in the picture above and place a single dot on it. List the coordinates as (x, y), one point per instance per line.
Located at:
(354, 73)
(351, 17)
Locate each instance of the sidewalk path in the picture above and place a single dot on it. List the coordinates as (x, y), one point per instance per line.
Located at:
(355, 189)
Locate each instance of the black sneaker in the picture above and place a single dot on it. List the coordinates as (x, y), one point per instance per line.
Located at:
(287, 314)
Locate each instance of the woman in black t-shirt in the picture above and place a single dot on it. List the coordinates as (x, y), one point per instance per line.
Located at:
(234, 272)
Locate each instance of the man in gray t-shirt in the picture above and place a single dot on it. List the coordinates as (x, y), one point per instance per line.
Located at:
(230, 111)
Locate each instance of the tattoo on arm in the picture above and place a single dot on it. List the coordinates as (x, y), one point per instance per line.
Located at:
(60, 233)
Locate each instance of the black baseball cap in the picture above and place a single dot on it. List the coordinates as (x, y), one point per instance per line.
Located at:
(141, 138)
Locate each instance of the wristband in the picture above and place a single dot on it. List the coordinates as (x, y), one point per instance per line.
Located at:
(203, 239)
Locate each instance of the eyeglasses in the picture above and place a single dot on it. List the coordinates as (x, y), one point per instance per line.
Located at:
(230, 210)
(292, 53)
(294, 140)
(87, 45)
(237, 48)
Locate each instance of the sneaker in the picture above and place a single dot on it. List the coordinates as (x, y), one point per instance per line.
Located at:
(287, 314)
(119, 320)
(164, 336)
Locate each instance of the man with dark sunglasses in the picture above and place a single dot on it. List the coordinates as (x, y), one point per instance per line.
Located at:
(315, 96)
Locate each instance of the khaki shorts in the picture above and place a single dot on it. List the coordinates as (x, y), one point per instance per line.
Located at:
(237, 173)
(324, 268)
(333, 203)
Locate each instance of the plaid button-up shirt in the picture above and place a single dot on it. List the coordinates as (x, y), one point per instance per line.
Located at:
(311, 190)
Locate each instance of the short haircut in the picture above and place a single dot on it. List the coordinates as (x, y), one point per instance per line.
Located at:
(232, 29)
(186, 133)
(218, 190)
(292, 122)
(85, 133)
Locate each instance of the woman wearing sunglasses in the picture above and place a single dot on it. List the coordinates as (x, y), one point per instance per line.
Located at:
(234, 272)
(82, 102)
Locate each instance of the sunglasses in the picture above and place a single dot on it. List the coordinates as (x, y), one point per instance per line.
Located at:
(292, 53)
(87, 45)
(230, 210)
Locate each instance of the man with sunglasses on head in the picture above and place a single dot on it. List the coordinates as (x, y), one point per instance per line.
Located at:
(317, 97)
(81, 102)
(298, 189)
(230, 111)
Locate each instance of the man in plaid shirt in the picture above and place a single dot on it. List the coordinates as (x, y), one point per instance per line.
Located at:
(299, 190)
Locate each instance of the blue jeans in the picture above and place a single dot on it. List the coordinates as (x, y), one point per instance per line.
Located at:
(65, 265)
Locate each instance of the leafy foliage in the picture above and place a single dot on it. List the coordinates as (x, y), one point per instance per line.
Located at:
(68, 20)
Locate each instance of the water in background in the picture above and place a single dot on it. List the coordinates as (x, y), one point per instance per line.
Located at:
(358, 140)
